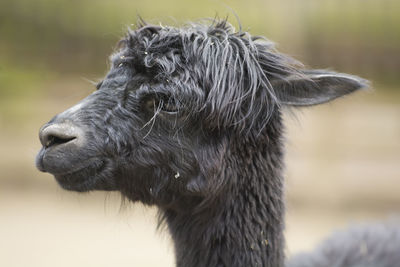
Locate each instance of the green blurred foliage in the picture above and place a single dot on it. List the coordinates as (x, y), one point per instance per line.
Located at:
(43, 40)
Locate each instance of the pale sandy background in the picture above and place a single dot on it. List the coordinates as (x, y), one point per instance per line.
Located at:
(343, 160)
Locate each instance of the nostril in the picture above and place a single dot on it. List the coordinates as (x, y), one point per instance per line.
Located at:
(56, 140)
(57, 134)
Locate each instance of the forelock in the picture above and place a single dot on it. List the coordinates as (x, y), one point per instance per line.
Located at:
(232, 68)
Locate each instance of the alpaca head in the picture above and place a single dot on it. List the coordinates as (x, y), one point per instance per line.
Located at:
(159, 123)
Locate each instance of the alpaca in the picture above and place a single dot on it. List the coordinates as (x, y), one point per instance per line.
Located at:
(190, 119)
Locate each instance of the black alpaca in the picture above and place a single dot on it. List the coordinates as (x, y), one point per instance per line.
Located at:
(189, 119)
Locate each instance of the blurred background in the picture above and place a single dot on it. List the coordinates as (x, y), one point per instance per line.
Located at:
(343, 163)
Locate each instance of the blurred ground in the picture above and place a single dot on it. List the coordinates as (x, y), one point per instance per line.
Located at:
(343, 160)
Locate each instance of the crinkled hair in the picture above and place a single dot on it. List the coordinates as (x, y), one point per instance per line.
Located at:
(230, 72)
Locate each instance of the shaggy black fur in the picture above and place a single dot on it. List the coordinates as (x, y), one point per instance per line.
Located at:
(189, 119)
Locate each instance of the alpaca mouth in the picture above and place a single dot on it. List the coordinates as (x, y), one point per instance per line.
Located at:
(87, 164)
(61, 161)
(72, 173)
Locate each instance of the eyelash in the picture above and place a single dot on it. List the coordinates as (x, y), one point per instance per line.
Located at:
(98, 85)
(164, 104)
(121, 64)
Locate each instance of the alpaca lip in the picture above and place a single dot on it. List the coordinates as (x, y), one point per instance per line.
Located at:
(39, 160)
(75, 169)
(52, 161)
(84, 165)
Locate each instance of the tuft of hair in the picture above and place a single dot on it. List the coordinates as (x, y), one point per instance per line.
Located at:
(230, 71)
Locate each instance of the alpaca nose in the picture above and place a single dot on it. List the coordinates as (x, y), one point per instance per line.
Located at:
(58, 133)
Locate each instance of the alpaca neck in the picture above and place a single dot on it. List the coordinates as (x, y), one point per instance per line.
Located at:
(244, 225)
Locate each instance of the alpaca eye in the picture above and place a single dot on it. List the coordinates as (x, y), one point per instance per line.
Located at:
(122, 63)
(169, 106)
(164, 105)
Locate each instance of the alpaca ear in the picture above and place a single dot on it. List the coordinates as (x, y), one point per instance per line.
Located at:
(316, 87)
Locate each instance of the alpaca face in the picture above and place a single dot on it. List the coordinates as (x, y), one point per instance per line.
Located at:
(132, 134)
(159, 124)
(138, 133)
